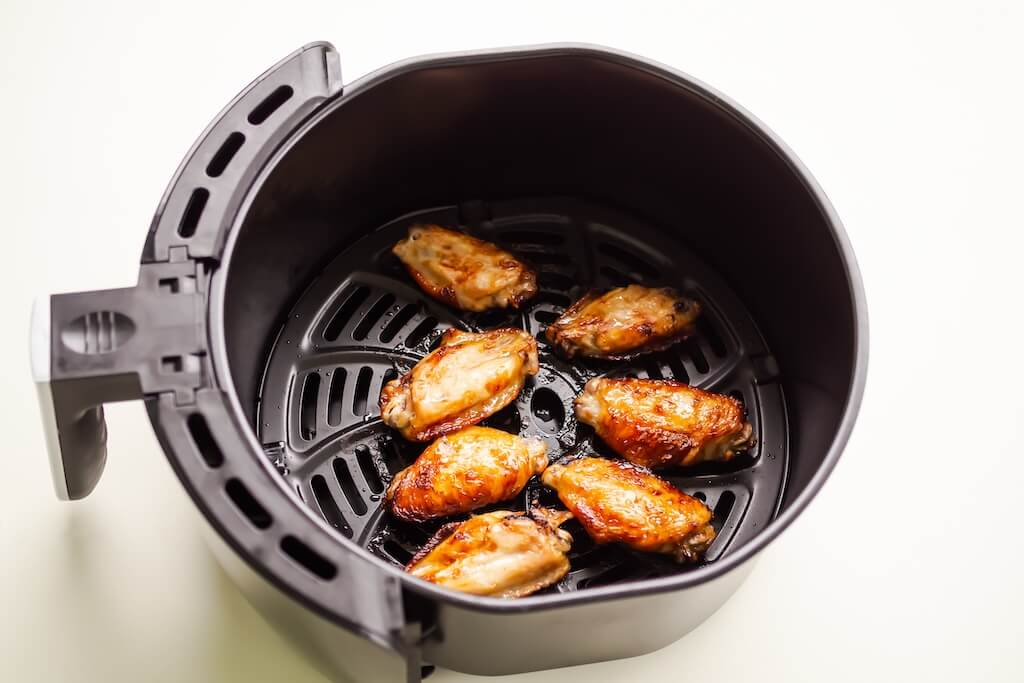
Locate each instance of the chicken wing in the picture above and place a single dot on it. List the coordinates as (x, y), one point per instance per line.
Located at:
(503, 554)
(658, 423)
(623, 323)
(464, 471)
(617, 501)
(463, 271)
(468, 378)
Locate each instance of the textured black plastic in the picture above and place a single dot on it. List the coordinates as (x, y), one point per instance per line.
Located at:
(363, 322)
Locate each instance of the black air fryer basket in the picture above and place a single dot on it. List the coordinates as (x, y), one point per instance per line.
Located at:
(269, 312)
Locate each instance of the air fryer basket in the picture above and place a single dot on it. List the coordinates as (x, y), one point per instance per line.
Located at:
(269, 312)
(363, 322)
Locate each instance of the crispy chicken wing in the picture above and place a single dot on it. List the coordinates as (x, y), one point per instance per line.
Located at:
(657, 423)
(464, 471)
(469, 377)
(463, 271)
(623, 323)
(503, 554)
(617, 501)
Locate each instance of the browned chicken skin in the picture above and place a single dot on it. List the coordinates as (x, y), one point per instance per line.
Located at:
(468, 378)
(465, 471)
(503, 554)
(617, 501)
(463, 271)
(623, 323)
(658, 423)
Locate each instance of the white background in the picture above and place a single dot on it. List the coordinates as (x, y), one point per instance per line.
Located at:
(907, 566)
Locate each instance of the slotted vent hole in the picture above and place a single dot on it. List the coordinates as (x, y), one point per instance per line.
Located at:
(697, 356)
(633, 262)
(421, 331)
(328, 506)
(362, 391)
(616, 277)
(708, 331)
(549, 258)
(335, 396)
(398, 321)
(723, 508)
(531, 237)
(193, 212)
(556, 281)
(348, 487)
(225, 154)
(701, 496)
(247, 504)
(375, 313)
(203, 439)
(271, 103)
(354, 298)
(548, 410)
(397, 552)
(308, 559)
(546, 317)
(653, 369)
(675, 364)
(615, 574)
(364, 457)
(307, 406)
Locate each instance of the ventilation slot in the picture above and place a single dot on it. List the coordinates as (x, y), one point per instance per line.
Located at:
(551, 258)
(308, 559)
(548, 410)
(355, 298)
(397, 552)
(617, 573)
(193, 212)
(723, 508)
(675, 364)
(370, 475)
(398, 322)
(635, 263)
(546, 317)
(335, 394)
(203, 439)
(421, 331)
(701, 496)
(615, 277)
(556, 281)
(710, 334)
(553, 298)
(329, 508)
(225, 154)
(348, 487)
(372, 316)
(697, 356)
(271, 103)
(653, 369)
(307, 406)
(362, 392)
(531, 237)
(247, 504)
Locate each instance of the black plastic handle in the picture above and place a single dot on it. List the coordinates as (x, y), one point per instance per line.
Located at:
(92, 348)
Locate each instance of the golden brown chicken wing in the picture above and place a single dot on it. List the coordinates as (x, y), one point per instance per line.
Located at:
(623, 323)
(463, 271)
(464, 471)
(617, 501)
(657, 423)
(503, 554)
(469, 377)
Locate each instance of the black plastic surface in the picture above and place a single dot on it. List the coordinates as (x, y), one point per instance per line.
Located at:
(364, 322)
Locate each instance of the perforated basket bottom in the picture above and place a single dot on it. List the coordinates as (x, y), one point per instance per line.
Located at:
(363, 322)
